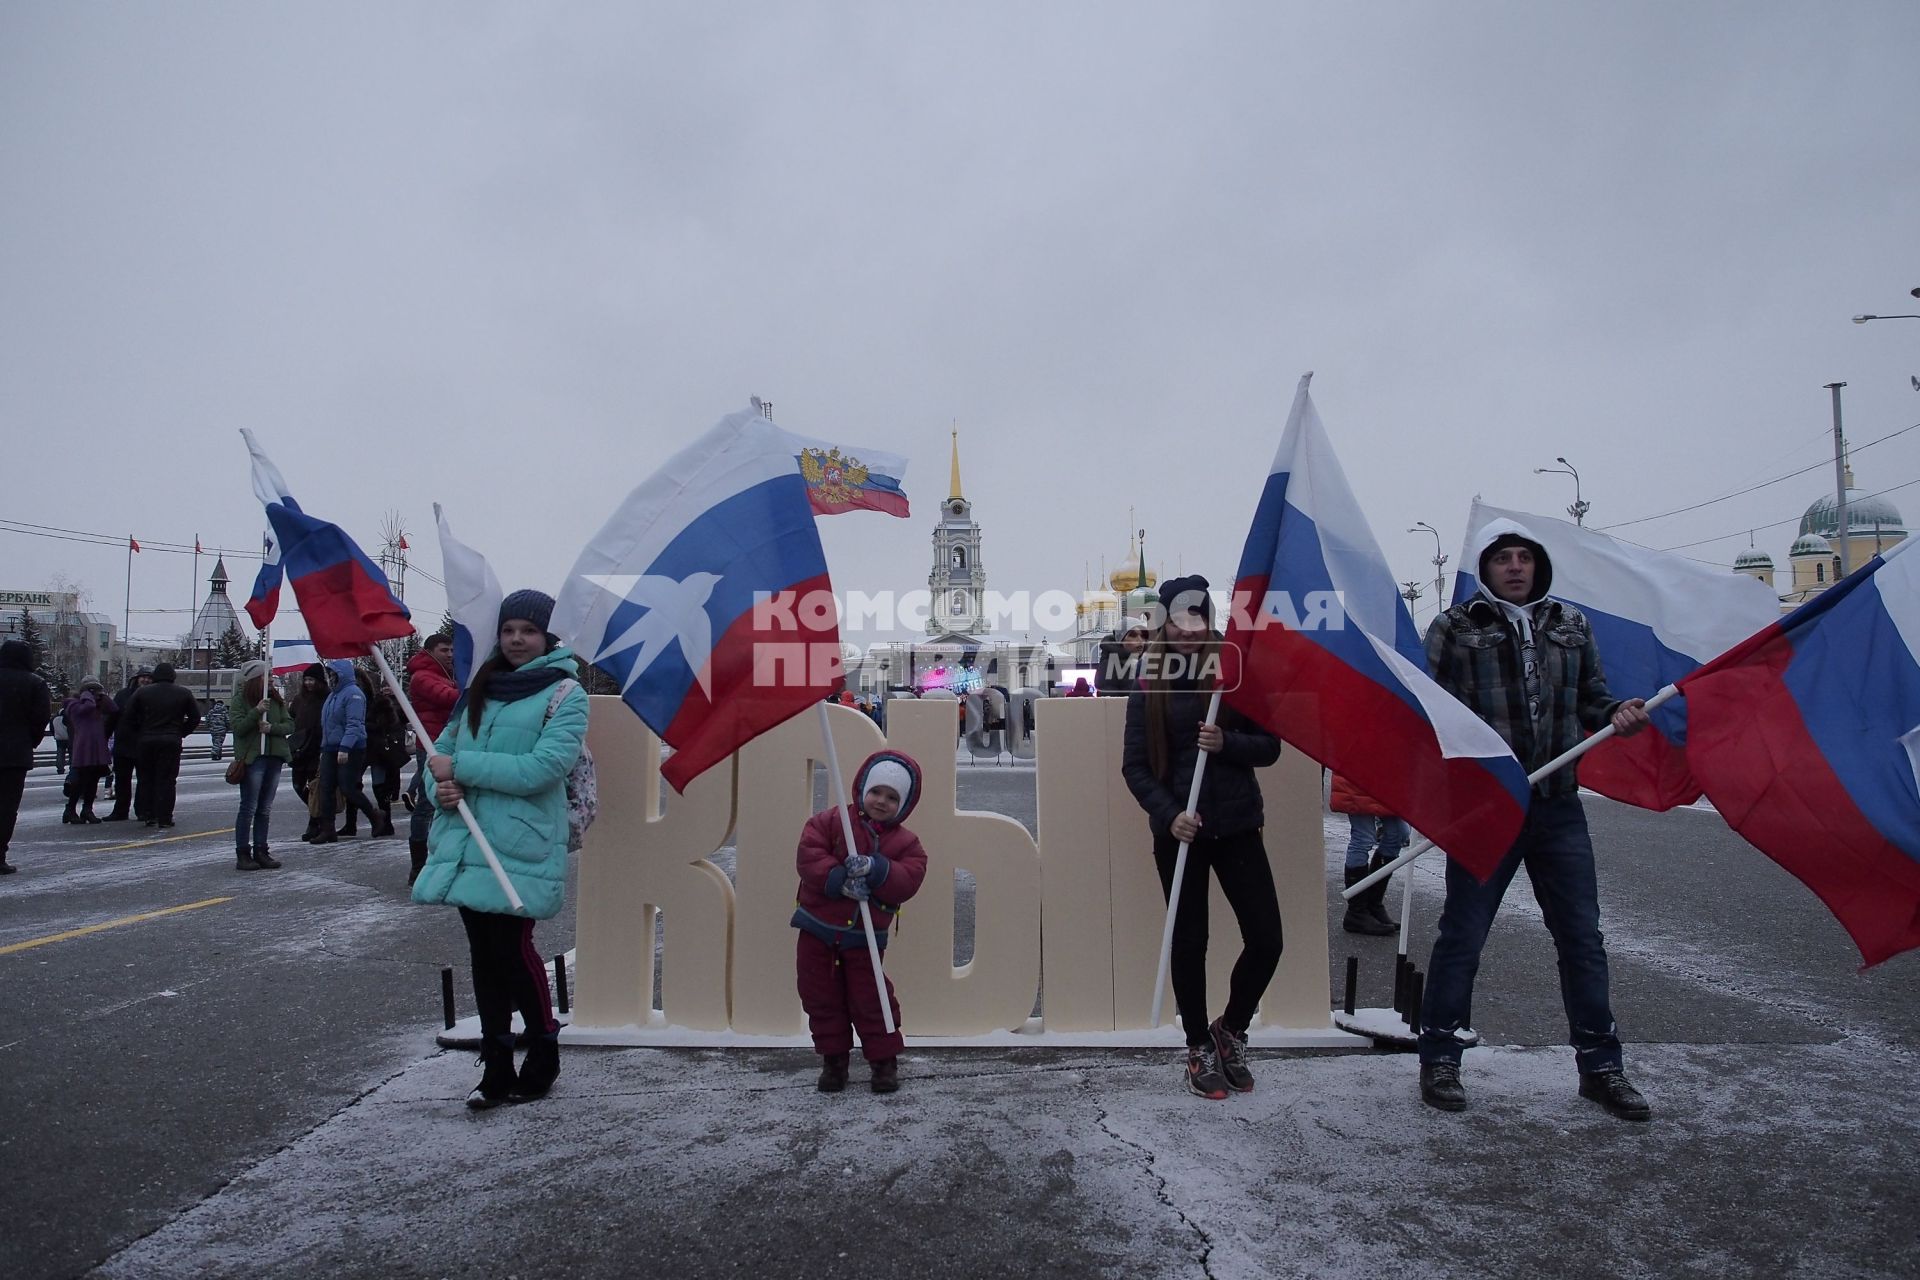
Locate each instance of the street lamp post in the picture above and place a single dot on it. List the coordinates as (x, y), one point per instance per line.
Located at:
(1439, 560)
(1580, 507)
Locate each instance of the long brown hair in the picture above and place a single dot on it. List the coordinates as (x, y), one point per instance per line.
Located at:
(250, 692)
(1159, 733)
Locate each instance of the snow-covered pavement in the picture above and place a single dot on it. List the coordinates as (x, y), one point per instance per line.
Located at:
(724, 1163)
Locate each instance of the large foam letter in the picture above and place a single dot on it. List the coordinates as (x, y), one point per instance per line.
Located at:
(994, 990)
(1083, 803)
(775, 803)
(639, 861)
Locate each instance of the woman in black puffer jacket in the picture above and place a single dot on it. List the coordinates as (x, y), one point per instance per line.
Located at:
(1166, 732)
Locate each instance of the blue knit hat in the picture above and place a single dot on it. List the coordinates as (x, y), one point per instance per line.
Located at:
(528, 606)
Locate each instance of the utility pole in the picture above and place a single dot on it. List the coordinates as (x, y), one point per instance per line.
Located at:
(1840, 478)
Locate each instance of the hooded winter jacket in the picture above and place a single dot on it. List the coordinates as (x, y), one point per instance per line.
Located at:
(899, 864)
(25, 706)
(431, 691)
(1475, 650)
(343, 720)
(514, 770)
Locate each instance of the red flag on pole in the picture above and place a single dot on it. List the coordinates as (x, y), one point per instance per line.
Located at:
(133, 544)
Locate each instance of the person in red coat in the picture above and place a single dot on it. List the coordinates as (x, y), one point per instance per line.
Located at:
(831, 964)
(1369, 824)
(433, 691)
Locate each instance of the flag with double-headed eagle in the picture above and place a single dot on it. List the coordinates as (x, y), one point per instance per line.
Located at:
(843, 477)
(848, 478)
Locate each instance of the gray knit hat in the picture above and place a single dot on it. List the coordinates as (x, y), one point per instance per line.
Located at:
(529, 606)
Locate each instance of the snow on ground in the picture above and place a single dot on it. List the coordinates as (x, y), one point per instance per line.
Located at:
(1078, 1164)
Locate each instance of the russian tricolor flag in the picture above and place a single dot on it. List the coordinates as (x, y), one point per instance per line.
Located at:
(343, 595)
(706, 595)
(1806, 737)
(1655, 618)
(294, 654)
(1332, 663)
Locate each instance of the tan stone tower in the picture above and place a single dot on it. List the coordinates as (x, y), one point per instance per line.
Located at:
(958, 582)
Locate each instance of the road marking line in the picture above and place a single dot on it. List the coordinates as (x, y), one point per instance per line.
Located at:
(143, 844)
(109, 924)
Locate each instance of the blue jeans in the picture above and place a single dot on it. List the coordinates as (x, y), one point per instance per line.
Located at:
(256, 802)
(1559, 859)
(1364, 830)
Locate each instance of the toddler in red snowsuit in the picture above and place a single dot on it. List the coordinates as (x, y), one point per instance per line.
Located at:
(831, 963)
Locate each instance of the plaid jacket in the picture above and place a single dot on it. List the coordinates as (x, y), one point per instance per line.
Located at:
(1474, 654)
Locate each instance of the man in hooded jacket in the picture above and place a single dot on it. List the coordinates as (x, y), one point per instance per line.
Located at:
(1527, 665)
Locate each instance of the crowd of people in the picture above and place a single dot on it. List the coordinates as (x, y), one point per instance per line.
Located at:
(504, 751)
(345, 741)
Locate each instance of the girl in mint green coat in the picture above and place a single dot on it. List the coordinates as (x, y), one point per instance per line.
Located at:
(507, 750)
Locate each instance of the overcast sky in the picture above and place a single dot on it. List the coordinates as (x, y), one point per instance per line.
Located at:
(508, 257)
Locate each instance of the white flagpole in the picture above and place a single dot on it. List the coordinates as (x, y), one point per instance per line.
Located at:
(466, 814)
(1179, 873)
(266, 685)
(1552, 766)
(834, 790)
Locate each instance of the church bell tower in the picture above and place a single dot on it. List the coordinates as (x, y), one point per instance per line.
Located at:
(958, 583)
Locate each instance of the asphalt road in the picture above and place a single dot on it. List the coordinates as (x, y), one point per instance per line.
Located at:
(151, 1065)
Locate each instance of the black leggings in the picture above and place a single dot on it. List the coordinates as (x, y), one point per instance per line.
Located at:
(1240, 864)
(508, 973)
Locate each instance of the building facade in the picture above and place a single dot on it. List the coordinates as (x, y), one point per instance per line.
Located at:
(76, 644)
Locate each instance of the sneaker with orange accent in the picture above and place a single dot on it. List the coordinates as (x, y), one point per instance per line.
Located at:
(1203, 1072)
(1231, 1048)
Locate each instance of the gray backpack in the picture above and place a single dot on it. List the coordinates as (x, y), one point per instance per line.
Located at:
(583, 787)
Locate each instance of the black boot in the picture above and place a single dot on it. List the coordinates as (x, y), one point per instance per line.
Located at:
(265, 858)
(1358, 918)
(380, 826)
(243, 859)
(70, 815)
(417, 854)
(1376, 897)
(541, 1068)
(833, 1073)
(352, 828)
(497, 1081)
